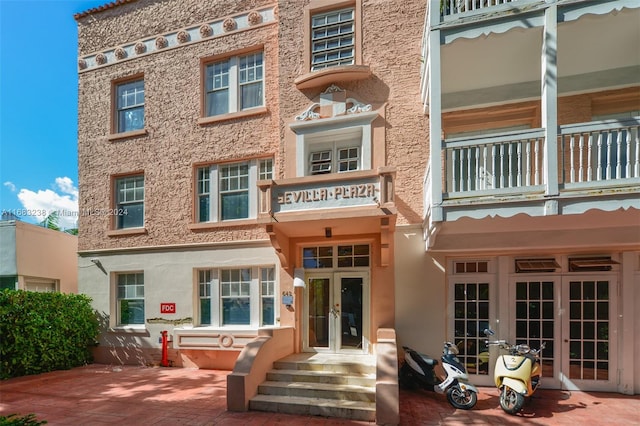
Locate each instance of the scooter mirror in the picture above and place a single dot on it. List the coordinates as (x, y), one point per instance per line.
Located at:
(488, 332)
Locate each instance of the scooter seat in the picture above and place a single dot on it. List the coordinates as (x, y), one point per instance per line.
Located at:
(430, 361)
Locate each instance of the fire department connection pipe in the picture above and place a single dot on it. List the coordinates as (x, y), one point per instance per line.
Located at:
(165, 355)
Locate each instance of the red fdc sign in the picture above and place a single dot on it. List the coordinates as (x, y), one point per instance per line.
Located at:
(167, 308)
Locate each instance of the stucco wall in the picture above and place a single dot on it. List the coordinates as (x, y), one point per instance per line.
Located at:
(174, 141)
(168, 278)
(420, 294)
(392, 34)
(45, 253)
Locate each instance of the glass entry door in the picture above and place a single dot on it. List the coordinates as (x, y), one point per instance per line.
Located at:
(336, 312)
(589, 344)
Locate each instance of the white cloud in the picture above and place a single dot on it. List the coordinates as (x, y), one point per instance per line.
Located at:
(63, 199)
(10, 185)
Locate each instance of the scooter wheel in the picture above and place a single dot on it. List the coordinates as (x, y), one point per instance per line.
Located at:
(464, 400)
(510, 400)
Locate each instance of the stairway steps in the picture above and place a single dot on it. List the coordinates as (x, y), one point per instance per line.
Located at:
(320, 385)
(354, 410)
(319, 390)
(319, 376)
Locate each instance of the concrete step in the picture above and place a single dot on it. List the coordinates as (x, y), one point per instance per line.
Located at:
(354, 410)
(321, 376)
(364, 364)
(319, 390)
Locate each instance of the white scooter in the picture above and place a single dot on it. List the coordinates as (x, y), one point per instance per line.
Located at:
(517, 374)
(418, 371)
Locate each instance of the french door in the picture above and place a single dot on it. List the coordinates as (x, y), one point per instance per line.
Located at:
(589, 359)
(336, 312)
(574, 315)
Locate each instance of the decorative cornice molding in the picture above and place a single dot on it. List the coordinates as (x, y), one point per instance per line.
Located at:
(178, 38)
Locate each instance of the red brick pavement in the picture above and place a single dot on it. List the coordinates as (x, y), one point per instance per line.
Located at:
(108, 395)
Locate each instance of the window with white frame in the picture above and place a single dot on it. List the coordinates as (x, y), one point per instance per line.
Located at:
(332, 39)
(267, 296)
(129, 106)
(334, 153)
(130, 298)
(228, 191)
(237, 296)
(129, 202)
(204, 295)
(234, 84)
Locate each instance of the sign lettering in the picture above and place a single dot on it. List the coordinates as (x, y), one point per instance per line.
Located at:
(167, 308)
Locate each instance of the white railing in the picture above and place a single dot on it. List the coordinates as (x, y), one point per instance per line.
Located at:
(453, 7)
(600, 151)
(507, 160)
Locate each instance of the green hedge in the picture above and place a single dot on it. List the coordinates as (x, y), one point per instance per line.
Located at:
(42, 332)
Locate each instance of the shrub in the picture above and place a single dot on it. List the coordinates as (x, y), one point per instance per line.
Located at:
(42, 332)
(15, 420)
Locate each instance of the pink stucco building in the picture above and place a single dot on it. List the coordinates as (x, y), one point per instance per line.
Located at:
(347, 176)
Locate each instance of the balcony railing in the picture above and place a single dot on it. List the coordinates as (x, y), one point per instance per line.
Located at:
(495, 162)
(454, 7)
(600, 151)
(595, 154)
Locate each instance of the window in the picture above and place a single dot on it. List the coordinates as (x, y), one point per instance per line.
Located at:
(335, 152)
(130, 106)
(228, 191)
(234, 191)
(130, 202)
(237, 296)
(332, 39)
(265, 170)
(335, 160)
(130, 298)
(344, 256)
(204, 291)
(268, 292)
(234, 84)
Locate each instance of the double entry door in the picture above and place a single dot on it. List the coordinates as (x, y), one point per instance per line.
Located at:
(336, 313)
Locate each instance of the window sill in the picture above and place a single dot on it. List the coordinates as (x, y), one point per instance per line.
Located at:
(125, 232)
(125, 135)
(129, 329)
(332, 75)
(226, 224)
(232, 115)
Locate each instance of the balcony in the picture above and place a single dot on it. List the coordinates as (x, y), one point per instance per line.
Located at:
(597, 163)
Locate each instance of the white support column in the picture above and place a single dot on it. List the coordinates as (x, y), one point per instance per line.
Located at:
(627, 317)
(550, 102)
(435, 114)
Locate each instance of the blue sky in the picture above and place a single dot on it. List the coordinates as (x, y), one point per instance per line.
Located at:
(38, 107)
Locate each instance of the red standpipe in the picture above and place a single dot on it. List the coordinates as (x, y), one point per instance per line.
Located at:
(165, 355)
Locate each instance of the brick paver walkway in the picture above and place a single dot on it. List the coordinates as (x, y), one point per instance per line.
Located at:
(109, 395)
